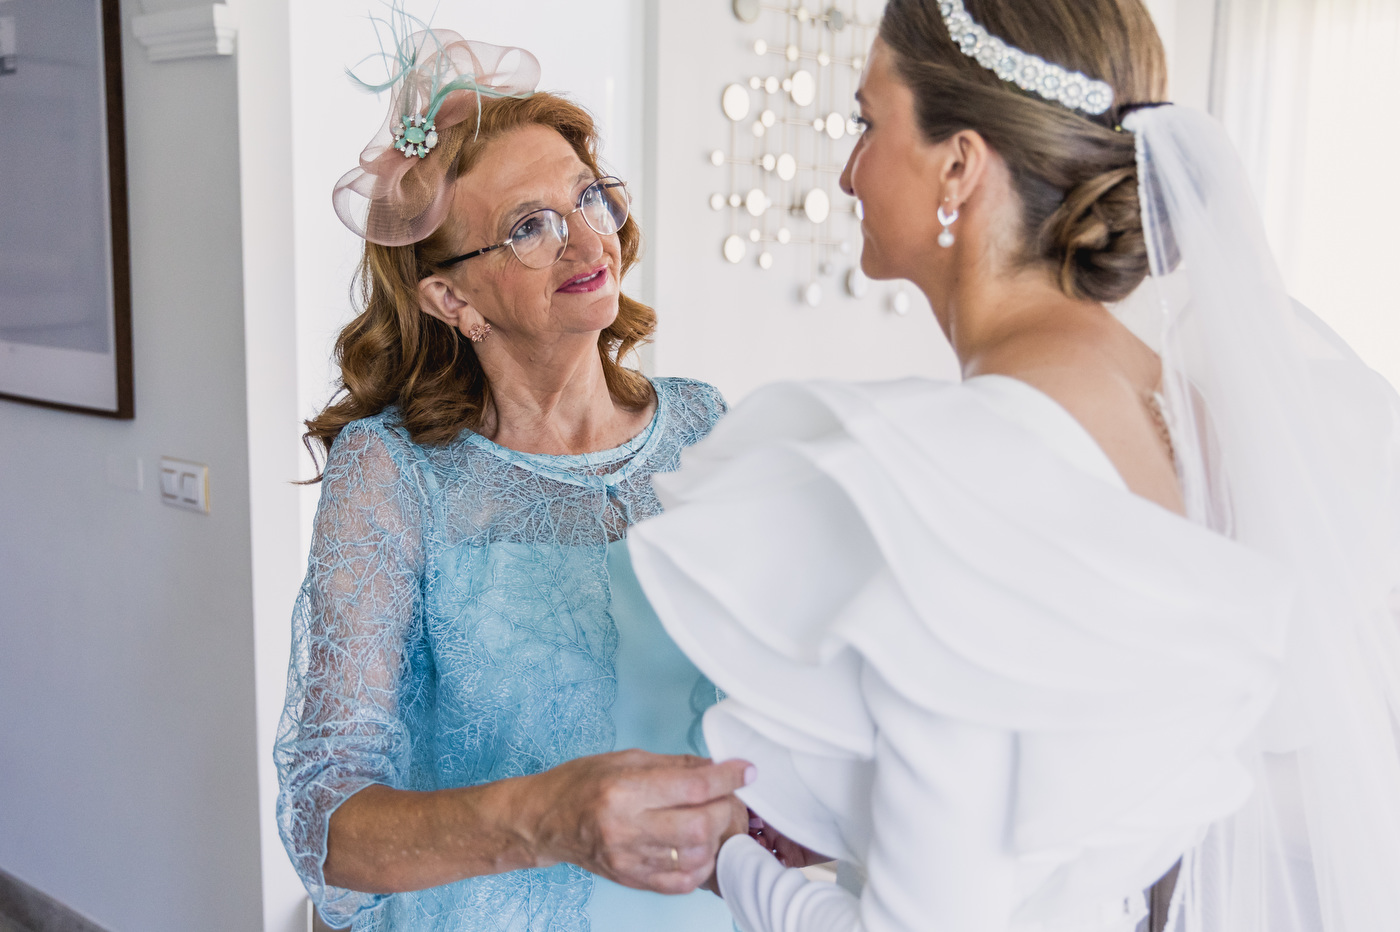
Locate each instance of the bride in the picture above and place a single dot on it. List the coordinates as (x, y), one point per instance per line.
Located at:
(1012, 648)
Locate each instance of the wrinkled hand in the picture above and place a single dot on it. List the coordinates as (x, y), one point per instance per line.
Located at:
(740, 822)
(621, 815)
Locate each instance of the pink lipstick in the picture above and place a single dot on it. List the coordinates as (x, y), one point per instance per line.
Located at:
(588, 281)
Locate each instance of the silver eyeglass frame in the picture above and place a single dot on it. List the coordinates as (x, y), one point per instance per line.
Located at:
(604, 183)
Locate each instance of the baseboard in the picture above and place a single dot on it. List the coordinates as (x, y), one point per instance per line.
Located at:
(39, 911)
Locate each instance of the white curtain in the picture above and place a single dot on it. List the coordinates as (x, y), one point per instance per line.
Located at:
(1310, 92)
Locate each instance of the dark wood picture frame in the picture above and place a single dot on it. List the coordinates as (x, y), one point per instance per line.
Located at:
(120, 347)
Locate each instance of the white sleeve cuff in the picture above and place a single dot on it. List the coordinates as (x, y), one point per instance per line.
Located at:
(764, 896)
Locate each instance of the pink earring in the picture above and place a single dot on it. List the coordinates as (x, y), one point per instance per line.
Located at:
(478, 332)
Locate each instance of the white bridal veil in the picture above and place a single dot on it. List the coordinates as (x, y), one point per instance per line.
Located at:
(1287, 442)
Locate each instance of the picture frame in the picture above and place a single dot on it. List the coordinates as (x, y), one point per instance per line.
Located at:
(65, 269)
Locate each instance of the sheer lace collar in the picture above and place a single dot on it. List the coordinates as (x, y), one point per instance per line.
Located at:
(595, 469)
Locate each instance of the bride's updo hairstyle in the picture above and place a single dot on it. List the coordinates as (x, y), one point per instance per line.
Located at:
(1076, 175)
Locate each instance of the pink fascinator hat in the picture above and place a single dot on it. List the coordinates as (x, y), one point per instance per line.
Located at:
(399, 193)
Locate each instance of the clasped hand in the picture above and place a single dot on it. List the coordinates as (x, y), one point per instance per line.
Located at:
(647, 821)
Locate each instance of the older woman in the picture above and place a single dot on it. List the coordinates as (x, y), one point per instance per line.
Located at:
(470, 642)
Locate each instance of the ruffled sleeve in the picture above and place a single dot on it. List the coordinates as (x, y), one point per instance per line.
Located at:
(354, 631)
(829, 543)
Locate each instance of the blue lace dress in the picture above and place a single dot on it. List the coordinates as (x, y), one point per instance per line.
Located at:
(469, 614)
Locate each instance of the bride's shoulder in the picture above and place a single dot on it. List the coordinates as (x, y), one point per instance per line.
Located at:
(820, 405)
(987, 416)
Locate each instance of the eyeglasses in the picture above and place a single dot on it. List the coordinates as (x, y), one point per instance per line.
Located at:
(541, 236)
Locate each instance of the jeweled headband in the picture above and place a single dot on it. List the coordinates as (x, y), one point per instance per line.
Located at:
(1029, 72)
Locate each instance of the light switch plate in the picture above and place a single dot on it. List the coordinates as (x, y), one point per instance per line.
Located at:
(184, 484)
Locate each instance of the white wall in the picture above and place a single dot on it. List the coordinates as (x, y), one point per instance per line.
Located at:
(127, 748)
(1345, 240)
(1306, 91)
(1187, 28)
(270, 334)
(736, 325)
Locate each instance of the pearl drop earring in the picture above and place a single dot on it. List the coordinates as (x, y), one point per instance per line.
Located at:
(946, 239)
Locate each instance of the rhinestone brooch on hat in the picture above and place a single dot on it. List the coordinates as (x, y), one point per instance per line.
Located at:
(1032, 73)
(415, 136)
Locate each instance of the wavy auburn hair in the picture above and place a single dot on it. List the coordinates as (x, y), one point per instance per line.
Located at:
(394, 353)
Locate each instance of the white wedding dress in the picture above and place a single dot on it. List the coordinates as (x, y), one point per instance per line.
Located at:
(965, 659)
(971, 665)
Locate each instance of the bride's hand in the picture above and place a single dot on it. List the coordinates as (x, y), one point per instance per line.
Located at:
(788, 852)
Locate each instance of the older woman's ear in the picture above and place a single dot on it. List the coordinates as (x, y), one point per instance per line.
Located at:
(439, 298)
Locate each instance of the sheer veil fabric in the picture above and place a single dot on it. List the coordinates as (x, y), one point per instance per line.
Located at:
(885, 578)
(1286, 442)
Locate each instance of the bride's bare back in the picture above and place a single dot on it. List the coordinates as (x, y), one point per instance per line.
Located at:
(1106, 378)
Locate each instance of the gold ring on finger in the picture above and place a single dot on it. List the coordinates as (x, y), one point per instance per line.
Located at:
(675, 859)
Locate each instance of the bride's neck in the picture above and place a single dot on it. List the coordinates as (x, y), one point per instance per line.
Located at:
(983, 310)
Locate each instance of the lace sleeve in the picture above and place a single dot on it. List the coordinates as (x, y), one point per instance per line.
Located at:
(353, 631)
(699, 405)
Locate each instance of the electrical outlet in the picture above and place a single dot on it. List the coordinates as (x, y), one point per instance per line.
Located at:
(184, 484)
